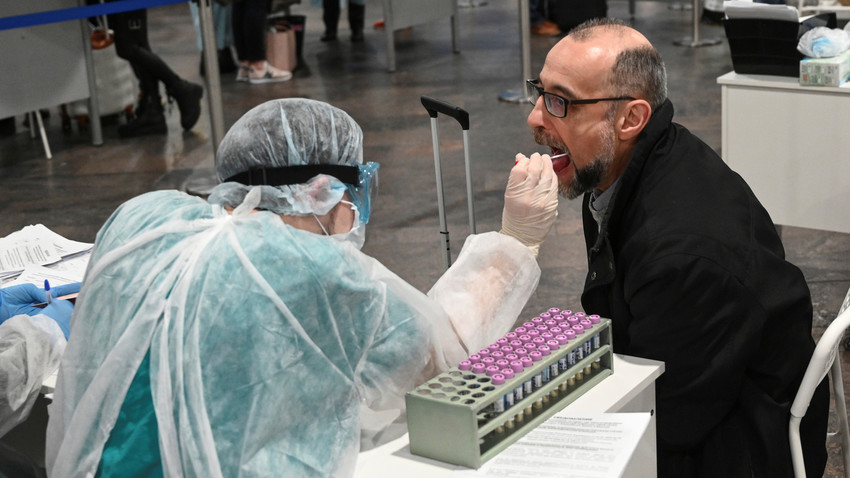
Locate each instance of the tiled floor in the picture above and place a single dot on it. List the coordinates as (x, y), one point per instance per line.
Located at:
(75, 192)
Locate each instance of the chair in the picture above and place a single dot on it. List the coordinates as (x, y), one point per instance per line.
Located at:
(823, 361)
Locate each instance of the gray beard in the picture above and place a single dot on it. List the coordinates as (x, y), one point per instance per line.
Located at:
(588, 178)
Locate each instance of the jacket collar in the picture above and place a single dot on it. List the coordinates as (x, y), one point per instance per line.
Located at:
(658, 125)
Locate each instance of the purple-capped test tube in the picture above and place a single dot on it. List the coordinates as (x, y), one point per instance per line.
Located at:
(563, 361)
(492, 370)
(511, 335)
(528, 385)
(529, 325)
(498, 406)
(544, 316)
(525, 338)
(487, 361)
(597, 338)
(554, 366)
(474, 358)
(484, 353)
(579, 331)
(478, 368)
(533, 333)
(502, 341)
(517, 366)
(551, 323)
(521, 352)
(509, 397)
(511, 357)
(554, 310)
(516, 343)
(537, 379)
(506, 349)
(588, 344)
(464, 365)
(493, 347)
(503, 363)
(497, 354)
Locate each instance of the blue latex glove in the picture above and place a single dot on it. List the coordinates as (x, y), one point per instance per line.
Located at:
(60, 311)
(21, 299)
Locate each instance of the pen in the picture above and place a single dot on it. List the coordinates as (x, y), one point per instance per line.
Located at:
(47, 291)
(70, 297)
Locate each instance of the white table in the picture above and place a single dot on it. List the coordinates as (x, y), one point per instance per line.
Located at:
(631, 388)
(791, 144)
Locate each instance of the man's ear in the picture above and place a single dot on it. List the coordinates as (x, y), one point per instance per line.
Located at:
(634, 118)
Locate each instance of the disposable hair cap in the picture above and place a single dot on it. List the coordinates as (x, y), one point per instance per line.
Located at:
(294, 132)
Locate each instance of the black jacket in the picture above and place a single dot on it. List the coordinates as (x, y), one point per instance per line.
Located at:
(691, 270)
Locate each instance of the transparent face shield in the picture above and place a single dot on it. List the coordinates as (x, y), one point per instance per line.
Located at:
(361, 194)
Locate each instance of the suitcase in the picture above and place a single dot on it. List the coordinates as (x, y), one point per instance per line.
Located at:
(434, 108)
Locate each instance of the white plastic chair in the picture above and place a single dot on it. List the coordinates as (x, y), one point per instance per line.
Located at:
(823, 361)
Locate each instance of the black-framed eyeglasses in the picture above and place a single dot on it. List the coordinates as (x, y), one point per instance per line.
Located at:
(557, 105)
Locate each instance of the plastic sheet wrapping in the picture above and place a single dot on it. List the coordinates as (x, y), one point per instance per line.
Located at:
(30, 349)
(272, 349)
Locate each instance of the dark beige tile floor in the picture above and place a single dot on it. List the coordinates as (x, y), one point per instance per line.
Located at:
(76, 191)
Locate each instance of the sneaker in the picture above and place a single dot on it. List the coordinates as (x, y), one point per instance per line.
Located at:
(243, 73)
(269, 74)
(546, 29)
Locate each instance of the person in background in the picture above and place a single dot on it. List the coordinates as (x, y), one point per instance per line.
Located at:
(222, 17)
(356, 18)
(131, 43)
(248, 335)
(682, 258)
(32, 340)
(249, 38)
(540, 25)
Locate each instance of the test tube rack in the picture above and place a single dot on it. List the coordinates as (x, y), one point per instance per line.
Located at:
(451, 417)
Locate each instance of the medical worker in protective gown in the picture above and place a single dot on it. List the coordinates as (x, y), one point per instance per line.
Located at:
(32, 339)
(247, 335)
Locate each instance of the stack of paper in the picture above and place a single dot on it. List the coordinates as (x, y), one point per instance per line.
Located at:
(36, 253)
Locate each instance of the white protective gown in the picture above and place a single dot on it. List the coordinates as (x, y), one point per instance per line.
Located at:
(30, 349)
(271, 349)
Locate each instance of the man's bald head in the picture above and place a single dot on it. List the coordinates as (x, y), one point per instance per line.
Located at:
(627, 61)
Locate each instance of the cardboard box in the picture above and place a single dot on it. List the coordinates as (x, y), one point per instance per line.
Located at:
(280, 49)
(825, 71)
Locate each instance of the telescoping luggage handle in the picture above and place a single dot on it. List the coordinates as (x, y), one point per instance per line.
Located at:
(435, 107)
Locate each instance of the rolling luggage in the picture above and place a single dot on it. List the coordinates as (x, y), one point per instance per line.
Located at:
(435, 107)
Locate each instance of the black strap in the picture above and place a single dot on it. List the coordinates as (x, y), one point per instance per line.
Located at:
(288, 175)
